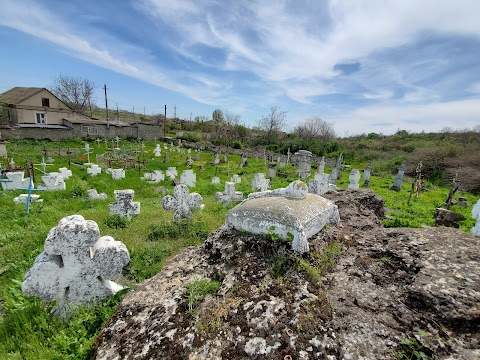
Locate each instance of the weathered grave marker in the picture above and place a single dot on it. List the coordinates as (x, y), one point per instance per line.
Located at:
(94, 195)
(272, 171)
(53, 181)
(320, 184)
(189, 178)
(216, 180)
(125, 206)
(236, 179)
(229, 195)
(398, 180)
(66, 173)
(76, 265)
(171, 172)
(476, 215)
(117, 174)
(157, 151)
(94, 169)
(354, 178)
(366, 176)
(182, 202)
(259, 183)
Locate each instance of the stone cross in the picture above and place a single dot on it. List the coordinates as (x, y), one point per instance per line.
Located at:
(236, 179)
(189, 178)
(354, 179)
(94, 169)
(76, 265)
(182, 202)
(216, 180)
(23, 198)
(66, 173)
(398, 180)
(259, 183)
(320, 185)
(157, 151)
(366, 176)
(476, 215)
(304, 166)
(94, 195)
(230, 195)
(157, 176)
(98, 141)
(125, 206)
(171, 172)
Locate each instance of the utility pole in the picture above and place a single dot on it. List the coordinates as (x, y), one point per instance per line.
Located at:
(175, 113)
(106, 101)
(165, 123)
(117, 110)
(133, 113)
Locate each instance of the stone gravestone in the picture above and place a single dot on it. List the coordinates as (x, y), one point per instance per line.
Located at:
(189, 178)
(94, 169)
(236, 179)
(321, 166)
(125, 206)
(189, 161)
(76, 265)
(16, 180)
(165, 158)
(320, 185)
(354, 179)
(333, 177)
(282, 162)
(259, 183)
(53, 181)
(171, 172)
(154, 177)
(304, 163)
(94, 195)
(216, 161)
(272, 171)
(476, 215)
(196, 157)
(216, 180)
(157, 151)
(291, 212)
(66, 173)
(244, 160)
(182, 203)
(366, 176)
(398, 180)
(3, 147)
(117, 174)
(230, 195)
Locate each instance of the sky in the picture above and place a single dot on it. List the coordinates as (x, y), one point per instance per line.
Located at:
(363, 65)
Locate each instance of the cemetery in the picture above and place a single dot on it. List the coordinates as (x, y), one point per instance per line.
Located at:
(230, 260)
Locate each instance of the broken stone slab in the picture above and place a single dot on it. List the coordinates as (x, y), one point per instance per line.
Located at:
(320, 184)
(53, 181)
(291, 213)
(182, 203)
(236, 179)
(94, 195)
(230, 195)
(76, 265)
(216, 180)
(16, 181)
(448, 218)
(22, 198)
(125, 206)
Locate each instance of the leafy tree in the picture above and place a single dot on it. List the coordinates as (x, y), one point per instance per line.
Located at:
(217, 116)
(3, 110)
(273, 122)
(201, 119)
(315, 128)
(76, 92)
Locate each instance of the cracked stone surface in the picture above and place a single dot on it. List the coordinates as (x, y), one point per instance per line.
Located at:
(384, 286)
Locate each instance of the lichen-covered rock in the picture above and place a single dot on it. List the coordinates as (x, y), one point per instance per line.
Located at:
(377, 287)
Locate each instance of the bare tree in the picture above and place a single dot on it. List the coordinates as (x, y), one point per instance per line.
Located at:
(76, 92)
(273, 122)
(315, 128)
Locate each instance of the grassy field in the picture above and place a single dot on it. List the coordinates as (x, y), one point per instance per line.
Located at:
(27, 330)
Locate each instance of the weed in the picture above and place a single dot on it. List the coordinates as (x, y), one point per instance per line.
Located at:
(176, 230)
(196, 292)
(116, 221)
(411, 350)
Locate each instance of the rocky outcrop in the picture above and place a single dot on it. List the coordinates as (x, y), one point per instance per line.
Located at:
(360, 292)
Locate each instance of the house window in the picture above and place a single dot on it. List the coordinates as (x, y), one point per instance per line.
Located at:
(40, 118)
(45, 102)
(89, 130)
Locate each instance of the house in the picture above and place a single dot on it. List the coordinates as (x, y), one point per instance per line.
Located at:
(37, 113)
(31, 107)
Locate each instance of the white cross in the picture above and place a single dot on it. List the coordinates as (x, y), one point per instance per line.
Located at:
(229, 195)
(125, 206)
(182, 202)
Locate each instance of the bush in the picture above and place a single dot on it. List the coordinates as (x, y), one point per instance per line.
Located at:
(116, 221)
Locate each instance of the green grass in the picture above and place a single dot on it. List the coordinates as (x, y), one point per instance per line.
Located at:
(28, 331)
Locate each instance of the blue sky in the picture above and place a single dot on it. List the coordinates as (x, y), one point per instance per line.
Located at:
(363, 65)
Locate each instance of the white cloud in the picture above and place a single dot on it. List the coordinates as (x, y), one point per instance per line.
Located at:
(387, 119)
